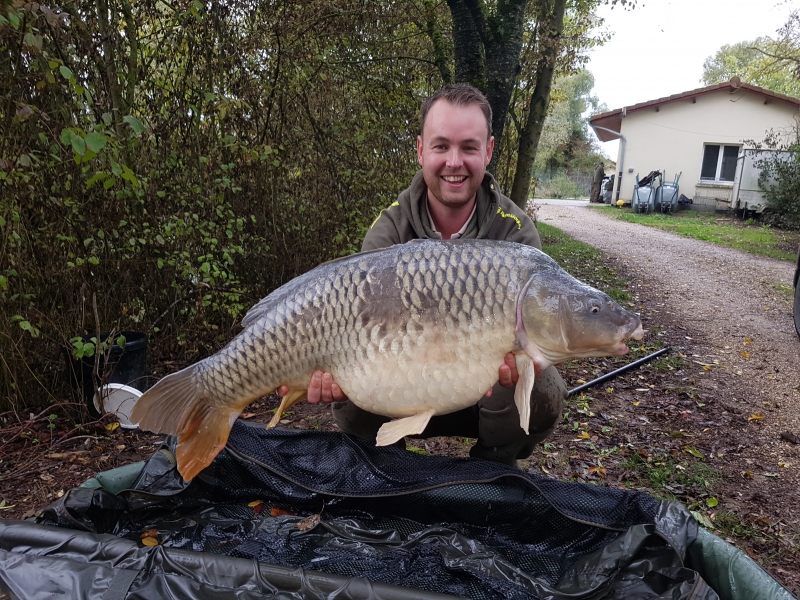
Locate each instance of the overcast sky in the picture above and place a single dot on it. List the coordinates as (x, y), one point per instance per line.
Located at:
(658, 49)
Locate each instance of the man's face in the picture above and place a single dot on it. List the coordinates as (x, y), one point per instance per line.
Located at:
(454, 151)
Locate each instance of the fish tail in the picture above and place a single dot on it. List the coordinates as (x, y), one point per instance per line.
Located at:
(176, 406)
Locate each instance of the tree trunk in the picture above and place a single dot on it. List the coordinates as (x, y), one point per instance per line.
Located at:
(468, 46)
(487, 47)
(529, 140)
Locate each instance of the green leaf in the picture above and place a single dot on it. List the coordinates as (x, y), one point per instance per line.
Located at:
(78, 145)
(95, 141)
(93, 260)
(712, 502)
(66, 73)
(14, 20)
(66, 136)
(693, 451)
(95, 178)
(109, 183)
(134, 123)
(702, 519)
(24, 160)
(3, 282)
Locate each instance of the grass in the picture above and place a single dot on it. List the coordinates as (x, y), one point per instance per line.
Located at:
(728, 231)
(583, 262)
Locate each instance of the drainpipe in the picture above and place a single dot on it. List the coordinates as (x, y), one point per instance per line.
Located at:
(621, 154)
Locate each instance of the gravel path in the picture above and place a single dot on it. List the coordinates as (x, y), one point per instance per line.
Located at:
(734, 310)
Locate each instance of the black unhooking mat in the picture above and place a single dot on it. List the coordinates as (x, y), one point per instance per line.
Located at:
(297, 514)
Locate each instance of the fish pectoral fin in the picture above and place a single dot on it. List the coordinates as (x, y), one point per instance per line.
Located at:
(289, 400)
(522, 394)
(395, 430)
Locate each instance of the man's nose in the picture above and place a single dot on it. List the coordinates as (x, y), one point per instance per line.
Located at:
(454, 160)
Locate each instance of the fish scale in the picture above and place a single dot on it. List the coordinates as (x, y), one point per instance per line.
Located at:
(407, 332)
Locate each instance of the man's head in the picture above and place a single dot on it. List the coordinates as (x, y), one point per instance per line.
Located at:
(455, 144)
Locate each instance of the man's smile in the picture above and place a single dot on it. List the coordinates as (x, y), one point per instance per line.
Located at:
(454, 178)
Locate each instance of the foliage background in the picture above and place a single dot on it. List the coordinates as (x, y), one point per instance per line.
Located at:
(164, 165)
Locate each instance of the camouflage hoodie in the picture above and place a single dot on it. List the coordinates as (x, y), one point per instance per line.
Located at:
(495, 218)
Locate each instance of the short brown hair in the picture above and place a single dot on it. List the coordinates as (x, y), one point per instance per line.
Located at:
(460, 94)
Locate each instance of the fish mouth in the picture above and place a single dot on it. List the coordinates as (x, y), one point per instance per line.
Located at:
(622, 348)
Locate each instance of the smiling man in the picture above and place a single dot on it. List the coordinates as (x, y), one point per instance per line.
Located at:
(452, 197)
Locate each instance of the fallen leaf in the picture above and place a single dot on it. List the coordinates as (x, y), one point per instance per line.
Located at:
(702, 519)
(148, 541)
(693, 451)
(46, 477)
(745, 354)
(581, 381)
(748, 341)
(4, 506)
(309, 522)
(755, 416)
(712, 502)
(277, 512)
(598, 470)
(748, 474)
(609, 390)
(113, 426)
(254, 503)
(771, 475)
(247, 415)
(583, 435)
(784, 464)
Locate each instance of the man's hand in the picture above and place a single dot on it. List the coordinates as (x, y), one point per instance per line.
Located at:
(321, 388)
(508, 375)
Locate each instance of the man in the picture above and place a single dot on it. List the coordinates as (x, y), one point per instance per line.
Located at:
(453, 197)
(597, 181)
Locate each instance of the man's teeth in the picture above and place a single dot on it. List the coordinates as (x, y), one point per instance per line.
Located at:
(455, 178)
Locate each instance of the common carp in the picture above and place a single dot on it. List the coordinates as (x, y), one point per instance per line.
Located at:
(409, 332)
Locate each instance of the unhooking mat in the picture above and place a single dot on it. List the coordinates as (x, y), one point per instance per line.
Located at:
(296, 514)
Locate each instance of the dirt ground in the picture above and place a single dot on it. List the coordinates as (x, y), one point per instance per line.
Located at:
(710, 423)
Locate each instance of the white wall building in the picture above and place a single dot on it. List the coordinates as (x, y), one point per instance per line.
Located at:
(699, 134)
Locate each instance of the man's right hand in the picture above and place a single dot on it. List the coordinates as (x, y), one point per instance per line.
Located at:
(321, 388)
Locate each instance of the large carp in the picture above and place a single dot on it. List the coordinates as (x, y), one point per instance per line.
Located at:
(412, 331)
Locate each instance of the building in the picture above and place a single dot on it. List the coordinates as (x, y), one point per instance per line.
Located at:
(699, 134)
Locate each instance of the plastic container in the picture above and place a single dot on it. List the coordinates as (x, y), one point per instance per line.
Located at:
(119, 399)
(126, 365)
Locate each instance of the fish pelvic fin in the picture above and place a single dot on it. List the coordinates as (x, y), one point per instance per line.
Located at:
(522, 393)
(392, 431)
(292, 398)
(176, 406)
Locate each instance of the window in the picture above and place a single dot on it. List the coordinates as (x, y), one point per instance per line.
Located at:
(719, 162)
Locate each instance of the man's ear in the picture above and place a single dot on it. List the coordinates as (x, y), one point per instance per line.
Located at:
(419, 150)
(489, 150)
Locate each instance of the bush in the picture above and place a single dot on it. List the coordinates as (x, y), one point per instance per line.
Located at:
(559, 186)
(780, 180)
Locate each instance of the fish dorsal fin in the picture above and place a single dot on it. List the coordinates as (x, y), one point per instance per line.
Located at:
(266, 304)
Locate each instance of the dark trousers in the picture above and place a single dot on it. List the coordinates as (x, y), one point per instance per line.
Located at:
(494, 421)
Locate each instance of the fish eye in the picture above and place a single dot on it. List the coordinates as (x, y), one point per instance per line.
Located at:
(594, 306)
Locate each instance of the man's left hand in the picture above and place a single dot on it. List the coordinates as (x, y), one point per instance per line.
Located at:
(508, 375)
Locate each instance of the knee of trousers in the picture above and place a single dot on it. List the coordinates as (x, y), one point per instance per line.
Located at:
(499, 423)
(356, 421)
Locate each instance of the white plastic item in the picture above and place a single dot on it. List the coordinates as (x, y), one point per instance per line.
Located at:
(119, 399)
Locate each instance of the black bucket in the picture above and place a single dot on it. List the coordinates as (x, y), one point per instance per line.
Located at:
(126, 364)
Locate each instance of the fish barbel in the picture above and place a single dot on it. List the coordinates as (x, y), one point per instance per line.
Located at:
(409, 332)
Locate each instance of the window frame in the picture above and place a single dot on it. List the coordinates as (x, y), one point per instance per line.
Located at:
(720, 158)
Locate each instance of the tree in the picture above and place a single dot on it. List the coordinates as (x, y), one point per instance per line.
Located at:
(765, 62)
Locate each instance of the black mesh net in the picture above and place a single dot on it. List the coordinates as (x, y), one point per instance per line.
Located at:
(332, 503)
